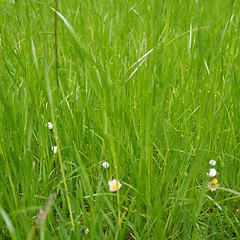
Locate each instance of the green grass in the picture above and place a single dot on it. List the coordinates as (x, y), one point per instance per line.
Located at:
(152, 87)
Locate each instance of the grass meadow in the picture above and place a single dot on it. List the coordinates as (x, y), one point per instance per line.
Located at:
(150, 87)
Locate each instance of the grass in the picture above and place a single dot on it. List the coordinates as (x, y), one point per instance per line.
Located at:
(152, 87)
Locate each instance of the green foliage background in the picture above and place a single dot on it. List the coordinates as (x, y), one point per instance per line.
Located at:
(152, 87)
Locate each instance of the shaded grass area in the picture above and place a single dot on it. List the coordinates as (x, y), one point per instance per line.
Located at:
(152, 87)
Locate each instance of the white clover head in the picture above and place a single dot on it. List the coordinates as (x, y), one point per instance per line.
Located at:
(114, 185)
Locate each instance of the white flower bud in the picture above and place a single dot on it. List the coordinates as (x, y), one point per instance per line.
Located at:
(54, 149)
(212, 162)
(105, 165)
(212, 172)
(49, 125)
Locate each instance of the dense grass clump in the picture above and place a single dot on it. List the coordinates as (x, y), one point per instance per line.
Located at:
(150, 87)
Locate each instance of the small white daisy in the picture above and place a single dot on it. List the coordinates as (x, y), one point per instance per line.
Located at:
(213, 184)
(114, 185)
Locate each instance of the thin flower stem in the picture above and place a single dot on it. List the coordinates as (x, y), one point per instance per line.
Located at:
(119, 210)
(117, 178)
(55, 132)
(56, 39)
(42, 230)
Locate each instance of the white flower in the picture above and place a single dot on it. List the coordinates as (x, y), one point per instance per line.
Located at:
(114, 185)
(86, 231)
(213, 184)
(105, 165)
(212, 162)
(54, 149)
(212, 172)
(49, 125)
